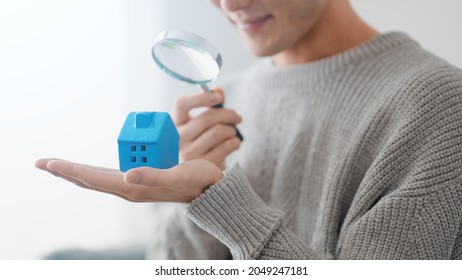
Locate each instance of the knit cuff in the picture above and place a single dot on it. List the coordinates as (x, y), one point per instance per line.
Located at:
(232, 212)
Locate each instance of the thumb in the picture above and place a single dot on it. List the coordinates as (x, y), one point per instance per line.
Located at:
(190, 176)
(184, 104)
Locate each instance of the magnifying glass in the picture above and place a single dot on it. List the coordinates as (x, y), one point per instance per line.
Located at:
(188, 57)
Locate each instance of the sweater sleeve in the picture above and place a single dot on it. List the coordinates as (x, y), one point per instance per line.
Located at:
(233, 213)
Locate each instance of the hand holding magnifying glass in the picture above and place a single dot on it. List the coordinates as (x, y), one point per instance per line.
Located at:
(188, 57)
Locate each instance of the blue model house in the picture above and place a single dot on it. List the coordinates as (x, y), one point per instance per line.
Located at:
(148, 139)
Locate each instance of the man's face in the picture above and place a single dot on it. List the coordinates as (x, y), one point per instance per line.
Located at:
(271, 26)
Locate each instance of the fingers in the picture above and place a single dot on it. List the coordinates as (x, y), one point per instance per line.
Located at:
(42, 164)
(211, 138)
(112, 181)
(95, 178)
(207, 136)
(79, 183)
(180, 112)
(108, 181)
(204, 135)
(84, 173)
(206, 120)
(221, 151)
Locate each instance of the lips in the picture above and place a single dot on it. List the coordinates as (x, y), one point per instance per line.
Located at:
(252, 24)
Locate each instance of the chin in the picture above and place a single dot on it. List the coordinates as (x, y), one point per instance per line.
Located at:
(261, 44)
(262, 51)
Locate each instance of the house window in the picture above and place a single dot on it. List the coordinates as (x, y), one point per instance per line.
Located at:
(133, 159)
(144, 159)
(133, 148)
(143, 148)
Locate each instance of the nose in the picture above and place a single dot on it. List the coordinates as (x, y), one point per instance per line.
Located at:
(234, 5)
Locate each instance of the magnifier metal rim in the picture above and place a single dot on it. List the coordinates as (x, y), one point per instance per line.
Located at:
(191, 38)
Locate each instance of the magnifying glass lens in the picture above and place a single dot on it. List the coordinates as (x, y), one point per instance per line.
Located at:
(185, 61)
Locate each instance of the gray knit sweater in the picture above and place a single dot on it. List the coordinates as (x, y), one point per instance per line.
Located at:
(357, 156)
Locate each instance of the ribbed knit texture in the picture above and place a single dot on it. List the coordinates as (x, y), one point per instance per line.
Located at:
(356, 156)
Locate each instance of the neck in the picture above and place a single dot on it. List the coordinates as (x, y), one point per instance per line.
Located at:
(338, 29)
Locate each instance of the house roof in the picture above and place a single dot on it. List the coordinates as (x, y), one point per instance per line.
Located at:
(147, 127)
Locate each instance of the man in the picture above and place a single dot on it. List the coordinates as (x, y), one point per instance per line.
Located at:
(353, 146)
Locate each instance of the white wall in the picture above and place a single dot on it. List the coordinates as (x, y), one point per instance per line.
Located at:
(61, 95)
(436, 25)
(71, 70)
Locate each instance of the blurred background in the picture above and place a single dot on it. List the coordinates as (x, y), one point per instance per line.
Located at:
(70, 72)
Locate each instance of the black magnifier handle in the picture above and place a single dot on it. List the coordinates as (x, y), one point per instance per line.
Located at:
(219, 106)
